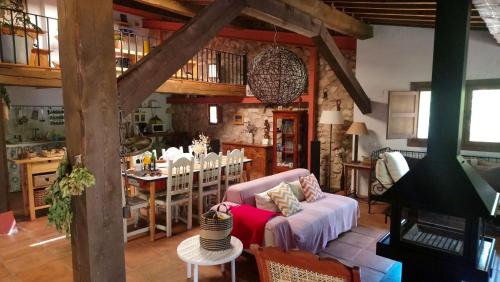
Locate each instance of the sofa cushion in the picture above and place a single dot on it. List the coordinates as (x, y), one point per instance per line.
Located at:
(316, 224)
(264, 202)
(244, 193)
(297, 190)
(311, 188)
(285, 200)
(382, 174)
(396, 165)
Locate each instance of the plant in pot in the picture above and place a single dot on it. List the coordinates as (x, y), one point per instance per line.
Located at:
(17, 31)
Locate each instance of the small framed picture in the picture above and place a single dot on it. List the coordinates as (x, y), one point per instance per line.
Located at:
(238, 119)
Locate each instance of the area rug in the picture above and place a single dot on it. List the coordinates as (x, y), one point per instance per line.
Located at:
(357, 248)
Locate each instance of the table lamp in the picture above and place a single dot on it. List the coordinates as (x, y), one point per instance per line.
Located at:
(331, 118)
(357, 129)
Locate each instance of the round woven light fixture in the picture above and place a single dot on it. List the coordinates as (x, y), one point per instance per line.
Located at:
(278, 77)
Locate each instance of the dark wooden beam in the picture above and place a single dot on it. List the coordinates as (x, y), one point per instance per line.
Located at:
(334, 58)
(144, 77)
(91, 112)
(4, 174)
(283, 15)
(333, 19)
(343, 42)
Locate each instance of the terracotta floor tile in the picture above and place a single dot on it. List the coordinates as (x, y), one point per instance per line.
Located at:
(356, 239)
(56, 270)
(3, 271)
(30, 261)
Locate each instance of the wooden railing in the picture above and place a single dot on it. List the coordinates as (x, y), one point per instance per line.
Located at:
(31, 40)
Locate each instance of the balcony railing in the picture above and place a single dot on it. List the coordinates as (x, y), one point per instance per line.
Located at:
(30, 39)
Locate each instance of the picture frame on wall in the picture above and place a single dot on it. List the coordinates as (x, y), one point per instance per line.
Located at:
(238, 119)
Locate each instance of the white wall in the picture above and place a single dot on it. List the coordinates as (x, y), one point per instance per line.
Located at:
(396, 56)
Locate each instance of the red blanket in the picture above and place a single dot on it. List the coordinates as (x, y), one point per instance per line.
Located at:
(249, 224)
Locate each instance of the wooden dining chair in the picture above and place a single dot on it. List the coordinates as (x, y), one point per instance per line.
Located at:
(233, 172)
(171, 153)
(179, 192)
(276, 265)
(209, 181)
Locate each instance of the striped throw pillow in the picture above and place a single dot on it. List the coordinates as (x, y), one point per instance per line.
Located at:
(285, 200)
(311, 188)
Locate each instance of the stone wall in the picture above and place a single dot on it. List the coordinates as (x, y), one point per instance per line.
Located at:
(193, 118)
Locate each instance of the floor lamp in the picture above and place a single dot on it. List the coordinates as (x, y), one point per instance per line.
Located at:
(331, 118)
(357, 129)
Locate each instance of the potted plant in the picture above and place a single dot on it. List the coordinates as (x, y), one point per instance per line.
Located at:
(4, 102)
(17, 31)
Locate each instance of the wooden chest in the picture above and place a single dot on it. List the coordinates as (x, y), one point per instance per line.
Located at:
(261, 155)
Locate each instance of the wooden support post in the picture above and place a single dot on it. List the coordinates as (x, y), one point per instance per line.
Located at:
(143, 78)
(4, 174)
(334, 58)
(311, 91)
(90, 102)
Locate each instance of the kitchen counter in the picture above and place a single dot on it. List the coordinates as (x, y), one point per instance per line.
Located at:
(38, 160)
(33, 143)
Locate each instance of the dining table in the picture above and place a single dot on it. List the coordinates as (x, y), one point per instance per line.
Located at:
(143, 179)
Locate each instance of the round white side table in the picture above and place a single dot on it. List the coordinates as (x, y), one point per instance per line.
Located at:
(192, 253)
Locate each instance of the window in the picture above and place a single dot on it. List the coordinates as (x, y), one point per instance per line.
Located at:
(214, 114)
(483, 116)
(424, 111)
(481, 111)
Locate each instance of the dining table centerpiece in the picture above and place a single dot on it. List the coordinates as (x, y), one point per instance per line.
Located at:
(200, 146)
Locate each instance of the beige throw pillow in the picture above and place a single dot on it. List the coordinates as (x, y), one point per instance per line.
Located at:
(396, 165)
(382, 174)
(297, 190)
(285, 200)
(264, 202)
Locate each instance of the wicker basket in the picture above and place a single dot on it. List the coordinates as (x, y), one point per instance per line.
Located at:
(39, 194)
(215, 234)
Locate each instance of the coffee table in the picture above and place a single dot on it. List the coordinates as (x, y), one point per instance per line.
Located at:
(192, 253)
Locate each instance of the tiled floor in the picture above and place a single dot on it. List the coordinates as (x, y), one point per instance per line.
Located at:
(29, 255)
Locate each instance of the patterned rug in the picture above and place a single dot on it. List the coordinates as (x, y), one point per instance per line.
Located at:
(357, 247)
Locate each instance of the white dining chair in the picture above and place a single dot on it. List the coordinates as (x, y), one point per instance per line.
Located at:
(233, 172)
(179, 192)
(171, 153)
(209, 181)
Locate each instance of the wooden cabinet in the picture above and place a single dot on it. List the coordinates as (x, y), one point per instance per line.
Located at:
(261, 156)
(39, 173)
(290, 140)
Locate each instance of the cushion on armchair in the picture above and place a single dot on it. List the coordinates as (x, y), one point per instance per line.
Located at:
(396, 165)
(382, 174)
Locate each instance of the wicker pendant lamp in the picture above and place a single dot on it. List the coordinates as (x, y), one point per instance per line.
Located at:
(277, 77)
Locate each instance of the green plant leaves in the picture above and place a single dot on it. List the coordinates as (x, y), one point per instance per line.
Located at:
(69, 182)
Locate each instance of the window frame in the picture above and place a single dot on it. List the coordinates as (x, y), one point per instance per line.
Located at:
(218, 113)
(470, 85)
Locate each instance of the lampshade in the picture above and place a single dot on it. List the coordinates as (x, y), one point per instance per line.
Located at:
(357, 128)
(331, 117)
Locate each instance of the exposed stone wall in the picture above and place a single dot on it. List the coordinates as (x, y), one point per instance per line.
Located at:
(193, 118)
(329, 83)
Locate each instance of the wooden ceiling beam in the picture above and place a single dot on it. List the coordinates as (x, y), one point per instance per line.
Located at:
(332, 18)
(283, 15)
(177, 7)
(144, 77)
(334, 58)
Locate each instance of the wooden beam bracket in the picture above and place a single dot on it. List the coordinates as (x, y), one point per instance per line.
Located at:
(334, 58)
